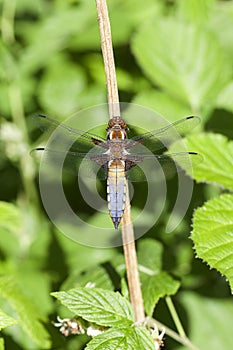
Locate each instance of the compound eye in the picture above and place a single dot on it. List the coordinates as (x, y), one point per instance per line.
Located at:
(111, 123)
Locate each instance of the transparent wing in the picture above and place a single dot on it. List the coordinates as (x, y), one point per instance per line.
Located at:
(78, 140)
(146, 167)
(91, 165)
(161, 138)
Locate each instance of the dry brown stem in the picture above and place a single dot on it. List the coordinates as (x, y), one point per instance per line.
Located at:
(114, 110)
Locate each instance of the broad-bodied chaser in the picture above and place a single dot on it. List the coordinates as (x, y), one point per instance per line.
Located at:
(117, 157)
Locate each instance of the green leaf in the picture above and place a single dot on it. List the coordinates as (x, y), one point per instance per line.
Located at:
(155, 283)
(173, 55)
(156, 287)
(97, 305)
(61, 85)
(150, 255)
(124, 288)
(114, 339)
(213, 234)
(131, 13)
(217, 165)
(118, 263)
(76, 254)
(11, 223)
(221, 16)
(195, 10)
(10, 218)
(36, 282)
(10, 74)
(162, 103)
(97, 276)
(92, 95)
(2, 344)
(34, 7)
(28, 314)
(125, 81)
(6, 321)
(8, 67)
(208, 321)
(144, 339)
(129, 338)
(55, 32)
(225, 98)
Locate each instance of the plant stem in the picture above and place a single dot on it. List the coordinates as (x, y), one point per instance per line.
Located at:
(7, 22)
(131, 262)
(26, 165)
(109, 64)
(175, 317)
(114, 110)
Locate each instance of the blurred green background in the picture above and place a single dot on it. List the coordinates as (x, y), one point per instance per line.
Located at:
(173, 56)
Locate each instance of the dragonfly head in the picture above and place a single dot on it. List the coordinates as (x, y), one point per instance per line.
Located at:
(117, 129)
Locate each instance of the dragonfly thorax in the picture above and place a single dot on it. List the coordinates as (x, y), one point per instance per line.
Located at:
(116, 150)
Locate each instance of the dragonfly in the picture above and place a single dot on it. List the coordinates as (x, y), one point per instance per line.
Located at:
(117, 158)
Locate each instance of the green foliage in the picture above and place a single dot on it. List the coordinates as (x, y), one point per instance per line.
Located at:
(28, 314)
(108, 309)
(122, 338)
(179, 65)
(224, 98)
(10, 218)
(217, 165)
(155, 283)
(5, 320)
(64, 95)
(97, 305)
(174, 57)
(213, 242)
(212, 223)
(204, 323)
(95, 275)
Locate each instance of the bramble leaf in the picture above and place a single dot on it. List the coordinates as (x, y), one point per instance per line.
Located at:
(128, 338)
(203, 317)
(97, 305)
(6, 321)
(173, 55)
(28, 314)
(155, 282)
(213, 234)
(95, 275)
(217, 164)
